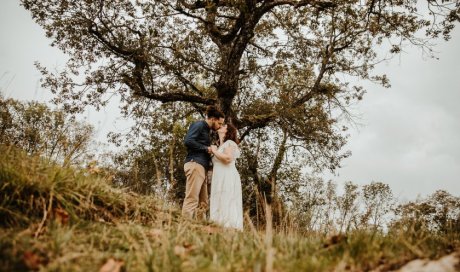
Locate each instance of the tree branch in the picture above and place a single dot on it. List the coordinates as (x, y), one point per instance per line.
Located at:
(177, 97)
(253, 122)
(279, 158)
(270, 4)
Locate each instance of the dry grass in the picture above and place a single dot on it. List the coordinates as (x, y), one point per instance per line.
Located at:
(64, 219)
(33, 188)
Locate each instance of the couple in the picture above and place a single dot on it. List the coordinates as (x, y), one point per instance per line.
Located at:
(226, 203)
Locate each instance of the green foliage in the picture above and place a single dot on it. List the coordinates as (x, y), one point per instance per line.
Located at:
(153, 163)
(313, 205)
(33, 188)
(438, 213)
(37, 129)
(379, 202)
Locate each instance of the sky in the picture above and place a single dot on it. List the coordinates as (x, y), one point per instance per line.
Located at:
(22, 43)
(407, 136)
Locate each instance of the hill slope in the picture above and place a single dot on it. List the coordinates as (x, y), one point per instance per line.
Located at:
(65, 219)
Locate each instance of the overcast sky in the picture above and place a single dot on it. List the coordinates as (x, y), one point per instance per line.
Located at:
(408, 137)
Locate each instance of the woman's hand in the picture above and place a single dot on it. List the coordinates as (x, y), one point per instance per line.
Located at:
(225, 156)
(213, 148)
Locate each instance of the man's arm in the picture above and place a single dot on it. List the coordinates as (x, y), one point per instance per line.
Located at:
(191, 138)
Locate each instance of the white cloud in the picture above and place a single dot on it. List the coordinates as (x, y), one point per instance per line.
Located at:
(410, 133)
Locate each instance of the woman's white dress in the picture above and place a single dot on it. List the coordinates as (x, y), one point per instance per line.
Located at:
(226, 203)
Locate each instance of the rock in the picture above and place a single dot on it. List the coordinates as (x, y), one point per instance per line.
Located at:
(448, 263)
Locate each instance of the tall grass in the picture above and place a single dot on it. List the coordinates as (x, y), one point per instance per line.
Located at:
(140, 233)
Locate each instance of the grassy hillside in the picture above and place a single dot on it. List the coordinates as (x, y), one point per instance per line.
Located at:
(65, 219)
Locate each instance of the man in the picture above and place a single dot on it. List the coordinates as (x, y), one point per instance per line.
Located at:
(198, 143)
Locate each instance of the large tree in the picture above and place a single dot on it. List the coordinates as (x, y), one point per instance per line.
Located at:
(281, 67)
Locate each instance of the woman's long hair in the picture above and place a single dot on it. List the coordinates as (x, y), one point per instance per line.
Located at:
(231, 134)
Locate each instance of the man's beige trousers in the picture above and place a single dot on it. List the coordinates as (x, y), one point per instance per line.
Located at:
(196, 191)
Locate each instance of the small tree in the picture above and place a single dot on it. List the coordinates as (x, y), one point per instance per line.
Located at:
(348, 207)
(378, 203)
(153, 162)
(38, 129)
(440, 212)
(310, 203)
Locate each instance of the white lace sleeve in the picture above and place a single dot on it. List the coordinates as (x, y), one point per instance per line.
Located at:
(234, 147)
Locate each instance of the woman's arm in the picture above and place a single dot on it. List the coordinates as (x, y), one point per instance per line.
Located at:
(226, 157)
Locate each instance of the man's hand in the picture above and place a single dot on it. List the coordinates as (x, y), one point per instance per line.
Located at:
(209, 150)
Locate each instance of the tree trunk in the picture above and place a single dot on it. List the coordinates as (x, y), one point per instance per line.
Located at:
(172, 146)
(157, 171)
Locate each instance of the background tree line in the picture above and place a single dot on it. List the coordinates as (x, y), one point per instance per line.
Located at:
(40, 130)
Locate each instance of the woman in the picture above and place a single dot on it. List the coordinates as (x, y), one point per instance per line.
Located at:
(226, 207)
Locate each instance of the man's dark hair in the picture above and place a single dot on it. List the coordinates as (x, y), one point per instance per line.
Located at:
(214, 112)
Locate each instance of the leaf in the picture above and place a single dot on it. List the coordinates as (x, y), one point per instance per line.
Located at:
(61, 215)
(32, 260)
(334, 240)
(92, 168)
(179, 250)
(183, 250)
(212, 230)
(188, 246)
(155, 233)
(111, 265)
